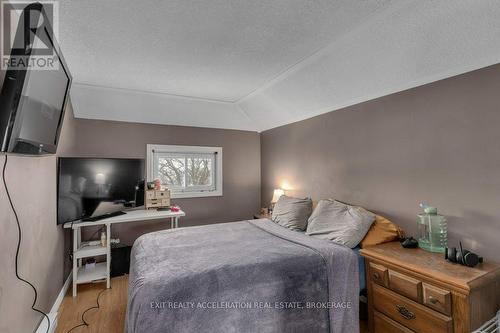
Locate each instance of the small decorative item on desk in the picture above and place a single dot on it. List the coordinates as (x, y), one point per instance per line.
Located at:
(157, 182)
(174, 209)
(432, 230)
(150, 185)
(157, 199)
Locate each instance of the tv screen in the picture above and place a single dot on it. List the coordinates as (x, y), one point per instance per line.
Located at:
(33, 99)
(91, 187)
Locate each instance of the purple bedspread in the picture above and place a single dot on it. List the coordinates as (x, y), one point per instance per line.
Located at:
(249, 276)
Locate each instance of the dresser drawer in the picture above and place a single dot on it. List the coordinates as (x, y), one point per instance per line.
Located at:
(409, 313)
(405, 285)
(384, 324)
(437, 298)
(379, 274)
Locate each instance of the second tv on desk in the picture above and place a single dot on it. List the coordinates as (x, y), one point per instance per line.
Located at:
(93, 188)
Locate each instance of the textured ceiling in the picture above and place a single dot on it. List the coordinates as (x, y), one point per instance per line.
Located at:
(255, 65)
(220, 50)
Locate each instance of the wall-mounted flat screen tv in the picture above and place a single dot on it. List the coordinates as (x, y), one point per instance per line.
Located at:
(34, 93)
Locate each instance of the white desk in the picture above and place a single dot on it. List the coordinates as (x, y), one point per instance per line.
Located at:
(102, 270)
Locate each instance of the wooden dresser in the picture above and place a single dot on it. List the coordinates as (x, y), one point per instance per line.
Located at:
(411, 290)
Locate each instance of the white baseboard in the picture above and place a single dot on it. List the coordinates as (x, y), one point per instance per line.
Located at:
(42, 328)
(62, 293)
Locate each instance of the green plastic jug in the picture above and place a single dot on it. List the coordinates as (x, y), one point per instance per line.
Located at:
(432, 230)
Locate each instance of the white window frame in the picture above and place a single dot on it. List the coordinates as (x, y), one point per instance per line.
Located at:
(151, 148)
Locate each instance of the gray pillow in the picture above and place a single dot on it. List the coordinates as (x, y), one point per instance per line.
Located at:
(292, 213)
(341, 223)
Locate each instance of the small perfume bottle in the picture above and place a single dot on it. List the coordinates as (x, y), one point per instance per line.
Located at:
(103, 238)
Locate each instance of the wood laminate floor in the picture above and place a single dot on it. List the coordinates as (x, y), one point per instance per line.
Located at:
(110, 316)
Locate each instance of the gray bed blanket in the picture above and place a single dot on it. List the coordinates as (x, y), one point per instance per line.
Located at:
(249, 276)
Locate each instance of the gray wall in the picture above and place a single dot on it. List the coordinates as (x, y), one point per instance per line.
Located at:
(241, 166)
(438, 143)
(32, 184)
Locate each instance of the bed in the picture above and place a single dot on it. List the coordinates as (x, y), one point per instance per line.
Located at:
(248, 276)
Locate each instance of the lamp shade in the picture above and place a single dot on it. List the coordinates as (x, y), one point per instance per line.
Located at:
(100, 179)
(277, 194)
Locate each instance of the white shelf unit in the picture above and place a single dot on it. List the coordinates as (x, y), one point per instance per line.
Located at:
(102, 271)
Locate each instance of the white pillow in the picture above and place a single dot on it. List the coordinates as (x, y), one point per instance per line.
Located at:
(340, 223)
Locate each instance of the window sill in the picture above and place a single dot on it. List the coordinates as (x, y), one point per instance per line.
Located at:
(185, 195)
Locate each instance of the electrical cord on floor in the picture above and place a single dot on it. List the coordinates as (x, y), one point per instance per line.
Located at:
(84, 323)
(18, 276)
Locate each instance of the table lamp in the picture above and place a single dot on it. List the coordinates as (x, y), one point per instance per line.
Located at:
(276, 195)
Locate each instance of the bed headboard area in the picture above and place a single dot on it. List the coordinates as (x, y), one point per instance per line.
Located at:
(437, 143)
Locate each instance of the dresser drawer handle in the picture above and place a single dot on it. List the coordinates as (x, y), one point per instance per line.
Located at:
(376, 276)
(433, 300)
(405, 313)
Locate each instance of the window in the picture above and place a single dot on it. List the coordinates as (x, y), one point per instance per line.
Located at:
(188, 171)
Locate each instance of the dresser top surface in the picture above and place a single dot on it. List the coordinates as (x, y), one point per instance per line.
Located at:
(433, 265)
